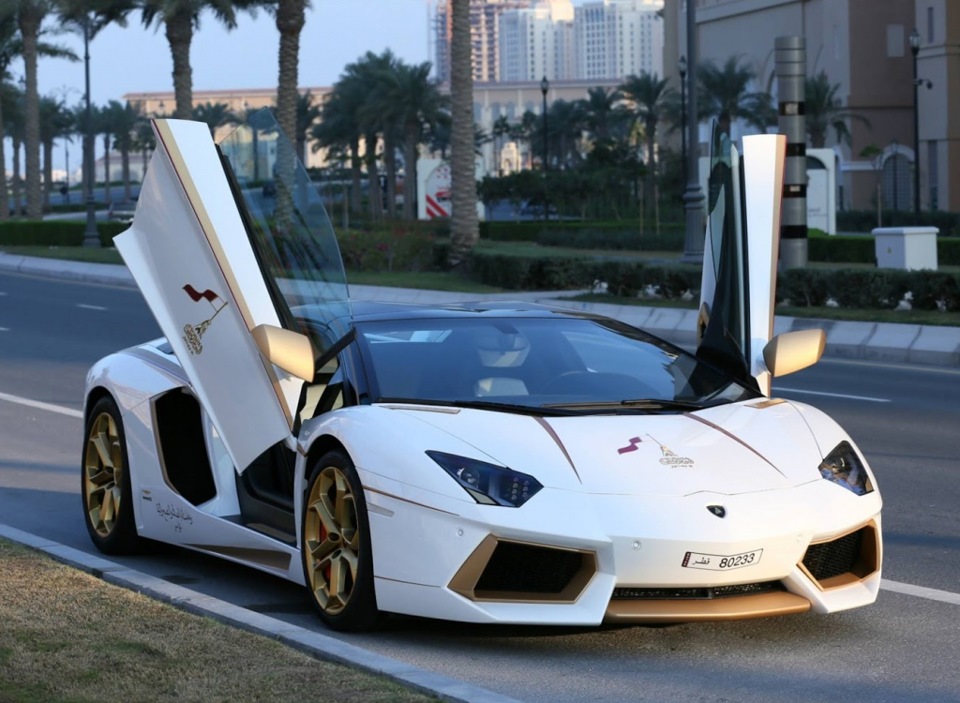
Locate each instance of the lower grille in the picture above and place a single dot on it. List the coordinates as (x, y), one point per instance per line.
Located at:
(830, 559)
(746, 589)
(527, 568)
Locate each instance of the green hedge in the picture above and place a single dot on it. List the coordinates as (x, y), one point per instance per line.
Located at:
(398, 249)
(55, 233)
(844, 249)
(849, 288)
(877, 288)
(669, 238)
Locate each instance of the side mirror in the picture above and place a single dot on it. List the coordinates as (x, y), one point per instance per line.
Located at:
(793, 351)
(291, 351)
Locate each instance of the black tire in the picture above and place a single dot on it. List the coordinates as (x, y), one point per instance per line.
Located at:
(335, 546)
(105, 482)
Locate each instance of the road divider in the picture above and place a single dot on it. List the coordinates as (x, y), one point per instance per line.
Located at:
(40, 405)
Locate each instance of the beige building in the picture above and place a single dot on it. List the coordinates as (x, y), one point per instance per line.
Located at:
(864, 48)
(490, 101)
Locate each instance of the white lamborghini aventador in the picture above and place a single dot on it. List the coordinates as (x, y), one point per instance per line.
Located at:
(486, 463)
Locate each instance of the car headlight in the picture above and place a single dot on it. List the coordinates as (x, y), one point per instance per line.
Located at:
(488, 484)
(845, 468)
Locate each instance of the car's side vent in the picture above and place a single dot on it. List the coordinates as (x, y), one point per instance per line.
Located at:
(504, 570)
(845, 559)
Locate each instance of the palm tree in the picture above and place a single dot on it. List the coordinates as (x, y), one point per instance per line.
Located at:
(415, 104)
(13, 115)
(144, 141)
(30, 15)
(338, 130)
(723, 92)
(179, 19)
(824, 111)
(214, 115)
(290, 16)
(307, 115)
(55, 122)
(125, 119)
(646, 96)
(603, 113)
(501, 129)
(8, 50)
(464, 227)
(566, 123)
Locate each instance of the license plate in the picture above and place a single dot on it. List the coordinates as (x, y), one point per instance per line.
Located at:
(721, 562)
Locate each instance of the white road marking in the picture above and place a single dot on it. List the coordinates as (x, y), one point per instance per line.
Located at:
(833, 395)
(90, 307)
(921, 592)
(40, 405)
(4, 329)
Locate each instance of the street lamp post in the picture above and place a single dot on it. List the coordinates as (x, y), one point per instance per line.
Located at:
(682, 67)
(91, 237)
(544, 87)
(693, 194)
(917, 82)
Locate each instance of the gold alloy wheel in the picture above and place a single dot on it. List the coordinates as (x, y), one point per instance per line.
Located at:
(331, 540)
(103, 474)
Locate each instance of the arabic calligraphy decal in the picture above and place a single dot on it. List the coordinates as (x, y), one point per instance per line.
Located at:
(193, 333)
(175, 514)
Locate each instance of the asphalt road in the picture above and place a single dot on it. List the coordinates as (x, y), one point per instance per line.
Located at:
(904, 648)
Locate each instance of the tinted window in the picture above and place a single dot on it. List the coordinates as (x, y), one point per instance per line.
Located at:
(533, 362)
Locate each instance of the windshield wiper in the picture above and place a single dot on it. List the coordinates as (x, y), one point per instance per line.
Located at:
(537, 411)
(633, 404)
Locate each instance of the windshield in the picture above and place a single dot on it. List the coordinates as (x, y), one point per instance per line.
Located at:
(289, 228)
(572, 364)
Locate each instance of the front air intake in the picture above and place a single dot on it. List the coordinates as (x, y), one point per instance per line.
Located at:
(845, 559)
(504, 570)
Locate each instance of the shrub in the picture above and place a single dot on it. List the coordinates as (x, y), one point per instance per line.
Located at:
(55, 233)
(396, 249)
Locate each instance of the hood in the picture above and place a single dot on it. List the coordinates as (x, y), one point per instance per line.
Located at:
(731, 449)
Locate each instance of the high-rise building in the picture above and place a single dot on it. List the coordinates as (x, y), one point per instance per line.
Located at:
(484, 36)
(537, 42)
(617, 38)
(522, 40)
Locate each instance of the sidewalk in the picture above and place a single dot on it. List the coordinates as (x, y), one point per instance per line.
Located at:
(878, 341)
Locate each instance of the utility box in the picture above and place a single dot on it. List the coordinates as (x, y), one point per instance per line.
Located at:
(910, 248)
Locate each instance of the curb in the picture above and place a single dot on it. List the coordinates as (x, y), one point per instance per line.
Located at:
(895, 342)
(315, 644)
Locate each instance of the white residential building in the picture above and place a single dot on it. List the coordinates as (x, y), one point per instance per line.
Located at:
(617, 38)
(537, 42)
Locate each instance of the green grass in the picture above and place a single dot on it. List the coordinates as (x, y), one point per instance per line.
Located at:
(533, 249)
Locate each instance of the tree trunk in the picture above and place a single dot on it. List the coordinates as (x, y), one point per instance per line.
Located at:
(464, 228)
(375, 205)
(17, 183)
(356, 196)
(5, 204)
(125, 167)
(290, 21)
(390, 166)
(106, 170)
(648, 192)
(179, 31)
(47, 173)
(410, 140)
(31, 15)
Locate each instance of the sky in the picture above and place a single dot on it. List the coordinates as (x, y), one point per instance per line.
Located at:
(135, 59)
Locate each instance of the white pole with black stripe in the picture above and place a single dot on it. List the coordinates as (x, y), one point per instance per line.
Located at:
(791, 58)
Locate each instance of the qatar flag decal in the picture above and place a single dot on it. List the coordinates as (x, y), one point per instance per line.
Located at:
(192, 333)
